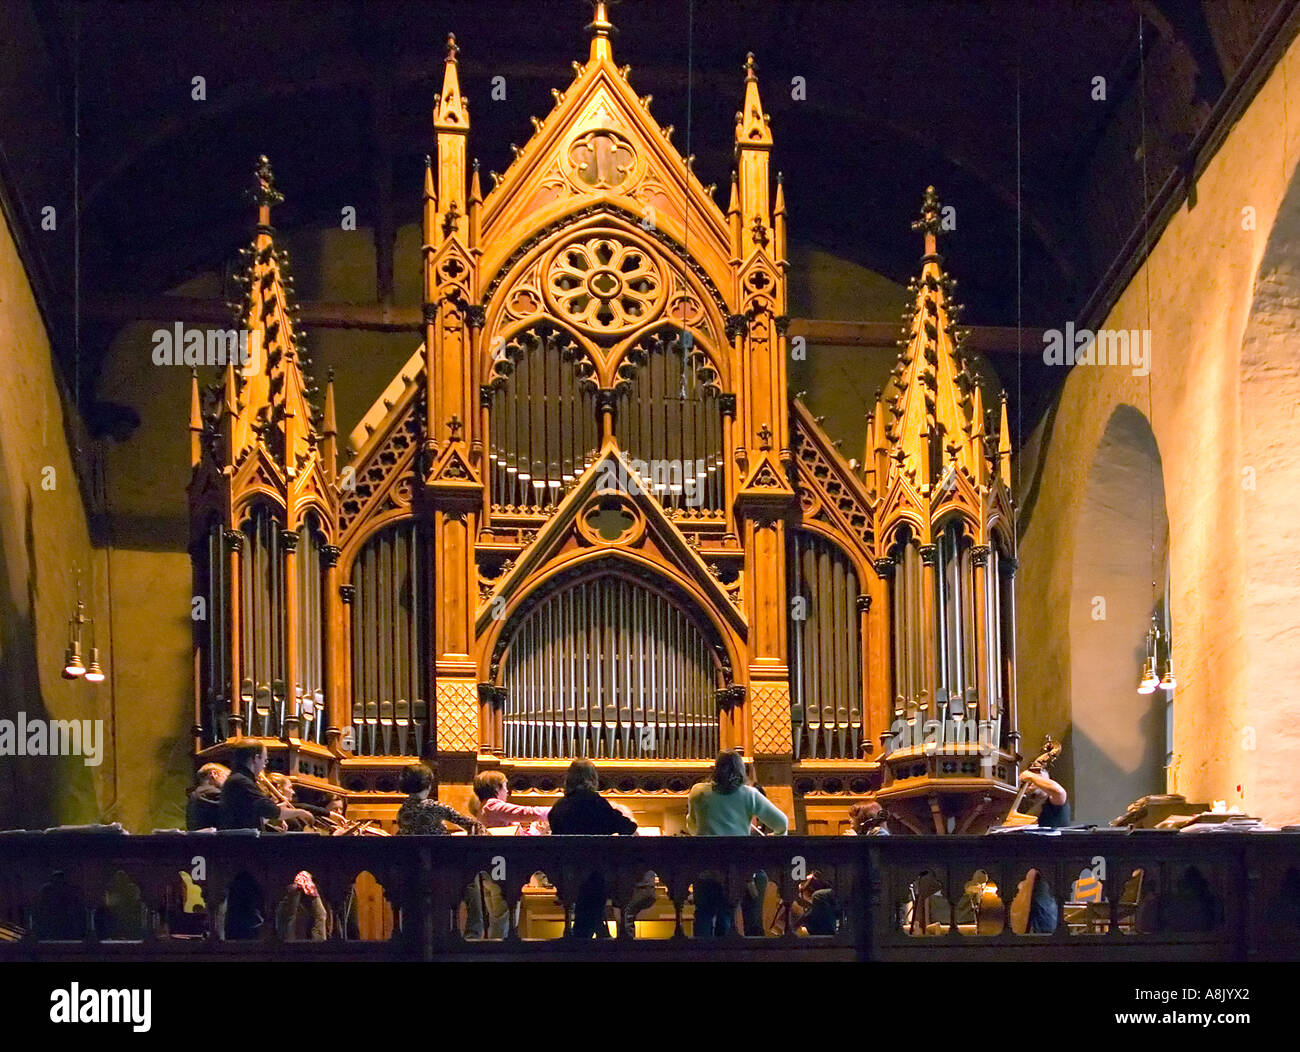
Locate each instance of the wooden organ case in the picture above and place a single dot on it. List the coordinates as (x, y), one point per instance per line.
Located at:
(587, 520)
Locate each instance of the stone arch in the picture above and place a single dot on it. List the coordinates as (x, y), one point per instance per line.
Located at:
(1269, 473)
(1115, 741)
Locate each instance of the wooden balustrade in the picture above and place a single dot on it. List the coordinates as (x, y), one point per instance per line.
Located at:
(1226, 896)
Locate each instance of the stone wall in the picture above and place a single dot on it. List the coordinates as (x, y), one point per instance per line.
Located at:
(44, 541)
(1217, 278)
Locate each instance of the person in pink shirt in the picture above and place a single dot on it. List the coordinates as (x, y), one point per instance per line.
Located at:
(490, 806)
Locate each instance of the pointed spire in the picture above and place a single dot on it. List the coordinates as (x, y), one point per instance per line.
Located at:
(330, 431)
(733, 216)
(1004, 446)
(778, 219)
(263, 193)
(753, 146)
(196, 420)
(929, 220)
(452, 110)
(475, 206)
(430, 202)
(979, 454)
(601, 30)
(451, 128)
(932, 412)
(752, 125)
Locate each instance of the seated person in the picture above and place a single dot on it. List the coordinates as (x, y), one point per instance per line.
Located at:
(203, 806)
(867, 820)
(822, 915)
(421, 816)
(1050, 797)
(582, 811)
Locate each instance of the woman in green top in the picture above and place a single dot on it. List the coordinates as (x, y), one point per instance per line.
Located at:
(726, 806)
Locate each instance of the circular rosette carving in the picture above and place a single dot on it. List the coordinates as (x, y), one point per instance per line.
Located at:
(605, 286)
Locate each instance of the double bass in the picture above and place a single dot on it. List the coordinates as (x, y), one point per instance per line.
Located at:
(1051, 751)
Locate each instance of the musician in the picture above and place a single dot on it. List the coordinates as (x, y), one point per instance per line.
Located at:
(1054, 812)
(489, 804)
(1055, 801)
(725, 806)
(203, 807)
(821, 913)
(419, 815)
(582, 811)
(867, 820)
(243, 805)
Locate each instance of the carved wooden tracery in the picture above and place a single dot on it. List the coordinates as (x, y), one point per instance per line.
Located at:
(591, 467)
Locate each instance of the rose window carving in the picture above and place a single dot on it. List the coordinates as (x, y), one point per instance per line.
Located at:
(604, 285)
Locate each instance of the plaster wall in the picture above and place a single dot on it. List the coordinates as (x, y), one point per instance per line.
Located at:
(1215, 412)
(44, 541)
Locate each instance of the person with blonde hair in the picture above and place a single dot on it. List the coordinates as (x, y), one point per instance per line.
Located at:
(489, 804)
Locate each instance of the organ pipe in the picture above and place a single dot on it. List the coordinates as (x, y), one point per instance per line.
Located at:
(623, 672)
(389, 610)
(542, 426)
(825, 650)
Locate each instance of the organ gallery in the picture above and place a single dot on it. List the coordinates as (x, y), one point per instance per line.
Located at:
(586, 519)
(858, 530)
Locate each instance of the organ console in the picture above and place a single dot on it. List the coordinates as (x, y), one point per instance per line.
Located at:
(587, 519)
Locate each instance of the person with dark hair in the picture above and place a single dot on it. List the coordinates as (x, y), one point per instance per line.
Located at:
(419, 815)
(243, 805)
(725, 806)
(582, 811)
(867, 820)
(203, 807)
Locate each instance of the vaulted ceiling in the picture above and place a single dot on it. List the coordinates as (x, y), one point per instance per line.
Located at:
(996, 104)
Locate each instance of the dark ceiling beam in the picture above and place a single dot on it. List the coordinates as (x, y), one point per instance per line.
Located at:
(983, 339)
(1270, 46)
(378, 317)
(1187, 26)
(1056, 245)
(372, 317)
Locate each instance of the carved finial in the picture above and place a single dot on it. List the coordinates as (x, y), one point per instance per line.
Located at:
(751, 70)
(929, 220)
(601, 29)
(452, 48)
(264, 193)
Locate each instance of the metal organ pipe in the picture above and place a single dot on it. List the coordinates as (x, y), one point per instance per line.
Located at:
(608, 669)
(826, 655)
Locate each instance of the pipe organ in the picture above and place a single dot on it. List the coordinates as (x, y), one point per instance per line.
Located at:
(610, 670)
(587, 519)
